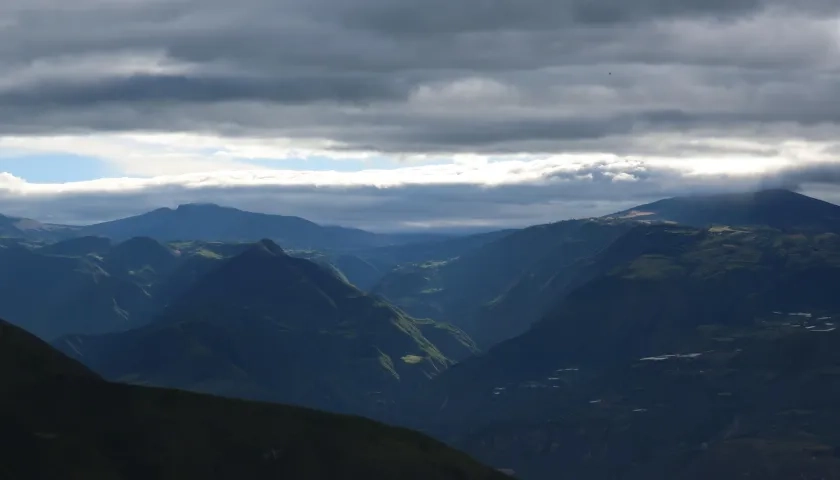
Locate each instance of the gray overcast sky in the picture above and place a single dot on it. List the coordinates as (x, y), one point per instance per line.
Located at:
(395, 114)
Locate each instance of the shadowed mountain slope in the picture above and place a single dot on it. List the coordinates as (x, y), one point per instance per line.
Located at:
(498, 290)
(265, 325)
(16, 227)
(92, 286)
(58, 420)
(683, 356)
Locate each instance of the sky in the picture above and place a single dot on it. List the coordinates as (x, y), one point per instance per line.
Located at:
(412, 114)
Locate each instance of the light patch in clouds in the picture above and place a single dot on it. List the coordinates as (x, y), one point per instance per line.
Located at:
(158, 154)
(74, 69)
(153, 154)
(466, 92)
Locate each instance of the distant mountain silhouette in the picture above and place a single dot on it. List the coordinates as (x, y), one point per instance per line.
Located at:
(211, 222)
(773, 208)
(17, 227)
(59, 420)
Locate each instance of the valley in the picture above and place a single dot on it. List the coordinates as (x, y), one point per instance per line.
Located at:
(623, 347)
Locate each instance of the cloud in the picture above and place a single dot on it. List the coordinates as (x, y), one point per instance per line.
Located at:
(418, 77)
(473, 192)
(495, 112)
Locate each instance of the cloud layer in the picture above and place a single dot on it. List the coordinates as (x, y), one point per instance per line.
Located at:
(473, 194)
(420, 75)
(490, 111)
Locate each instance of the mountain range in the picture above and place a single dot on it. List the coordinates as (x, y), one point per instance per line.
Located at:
(782, 209)
(91, 285)
(693, 353)
(16, 227)
(210, 222)
(269, 326)
(695, 340)
(499, 290)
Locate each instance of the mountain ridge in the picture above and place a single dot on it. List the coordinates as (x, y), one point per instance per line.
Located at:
(268, 326)
(775, 208)
(681, 334)
(212, 222)
(59, 420)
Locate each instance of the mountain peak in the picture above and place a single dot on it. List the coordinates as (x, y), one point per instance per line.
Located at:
(143, 244)
(211, 222)
(268, 246)
(198, 205)
(779, 192)
(775, 208)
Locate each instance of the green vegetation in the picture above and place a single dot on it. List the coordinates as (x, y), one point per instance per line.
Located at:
(388, 364)
(654, 267)
(412, 359)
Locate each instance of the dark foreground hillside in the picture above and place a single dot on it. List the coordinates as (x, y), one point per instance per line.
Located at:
(60, 421)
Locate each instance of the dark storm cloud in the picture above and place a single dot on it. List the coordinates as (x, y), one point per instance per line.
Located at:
(182, 88)
(442, 16)
(388, 75)
(824, 174)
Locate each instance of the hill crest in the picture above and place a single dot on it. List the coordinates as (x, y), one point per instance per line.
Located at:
(775, 208)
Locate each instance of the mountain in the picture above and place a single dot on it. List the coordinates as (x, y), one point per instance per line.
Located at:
(497, 290)
(781, 209)
(15, 227)
(687, 353)
(59, 420)
(77, 247)
(211, 222)
(92, 286)
(435, 250)
(365, 268)
(97, 286)
(78, 294)
(265, 325)
(141, 256)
